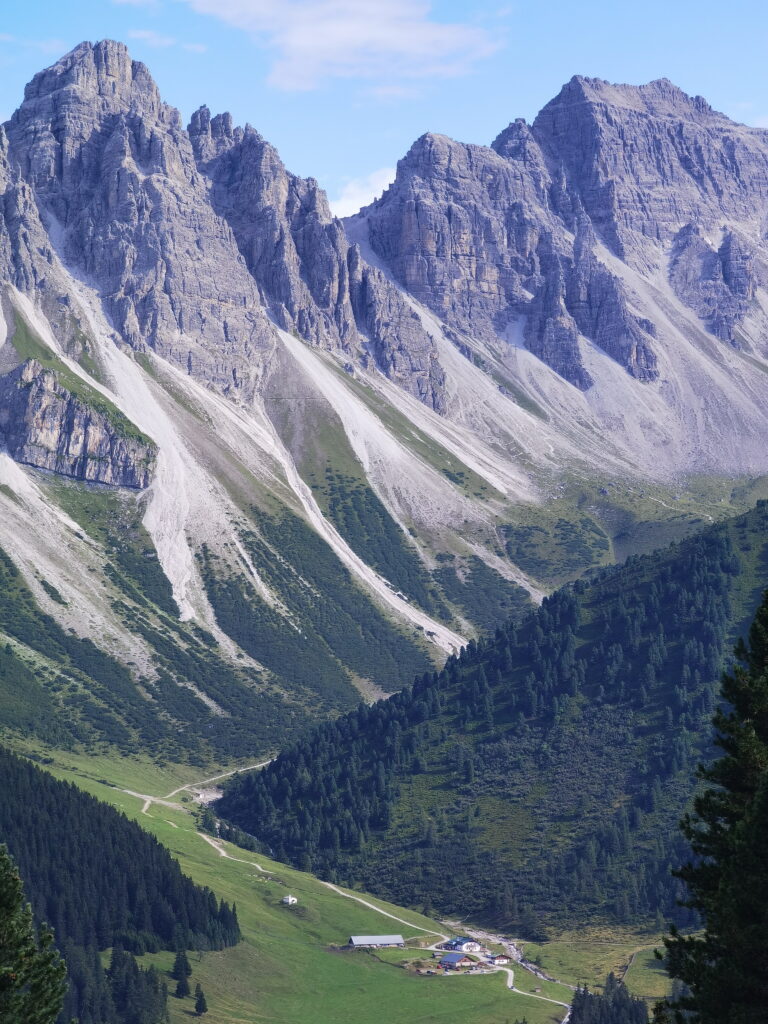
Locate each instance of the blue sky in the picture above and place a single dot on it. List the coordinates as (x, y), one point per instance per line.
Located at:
(343, 87)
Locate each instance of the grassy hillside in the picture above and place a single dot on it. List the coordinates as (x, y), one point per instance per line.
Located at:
(538, 779)
(180, 694)
(286, 967)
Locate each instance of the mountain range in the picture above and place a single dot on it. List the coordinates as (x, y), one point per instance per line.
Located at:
(258, 462)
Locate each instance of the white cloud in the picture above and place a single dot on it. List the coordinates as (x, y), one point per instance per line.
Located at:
(151, 38)
(359, 192)
(194, 47)
(380, 40)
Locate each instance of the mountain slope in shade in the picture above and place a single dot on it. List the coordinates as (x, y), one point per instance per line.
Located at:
(547, 767)
(333, 452)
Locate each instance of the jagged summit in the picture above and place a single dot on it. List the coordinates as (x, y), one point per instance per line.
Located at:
(548, 259)
(105, 75)
(659, 98)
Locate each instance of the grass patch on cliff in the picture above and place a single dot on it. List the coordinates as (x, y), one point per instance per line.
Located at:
(114, 519)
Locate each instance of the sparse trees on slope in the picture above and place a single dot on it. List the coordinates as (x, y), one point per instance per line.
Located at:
(614, 1005)
(32, 974)
(726, 969)
(181, 966)
(182, 987)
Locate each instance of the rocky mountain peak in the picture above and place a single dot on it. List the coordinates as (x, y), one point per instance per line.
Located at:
(102, 78)
(211, 136)
(659, 98)
(644, 160)
(112, 171)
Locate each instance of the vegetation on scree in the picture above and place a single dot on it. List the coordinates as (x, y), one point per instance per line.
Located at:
(85, 695)
(725, 969)
(102, 882)
(335, 624)
(372, 533)
(479, 593)
(539, 776)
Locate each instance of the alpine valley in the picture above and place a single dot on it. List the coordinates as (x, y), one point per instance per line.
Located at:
(503, 432)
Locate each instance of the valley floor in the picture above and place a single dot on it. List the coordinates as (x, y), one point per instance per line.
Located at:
(290, 967)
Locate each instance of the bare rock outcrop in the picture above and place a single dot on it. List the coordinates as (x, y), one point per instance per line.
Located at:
(477, 234)
(43, 424)
(114, 178)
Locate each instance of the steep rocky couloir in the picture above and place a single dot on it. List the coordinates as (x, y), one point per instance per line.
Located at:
(42, 424)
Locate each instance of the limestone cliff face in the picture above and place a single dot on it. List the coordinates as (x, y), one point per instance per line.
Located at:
(311, 279)
(474, 233)
(645, 160)
(624, 223)
(114, 178)
(44, 425)
(488, 236)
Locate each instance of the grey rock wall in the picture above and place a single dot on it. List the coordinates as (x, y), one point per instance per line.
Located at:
(487, 236)
(310, 278)
(114, 177)
(196, 241)
(44, 425)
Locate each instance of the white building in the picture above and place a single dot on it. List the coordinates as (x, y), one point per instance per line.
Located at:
(465, 944)
(289, 900)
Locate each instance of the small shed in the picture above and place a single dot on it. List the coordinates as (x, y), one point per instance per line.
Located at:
(375, 941)
(289, 900)
(453, 961)
(499, 959)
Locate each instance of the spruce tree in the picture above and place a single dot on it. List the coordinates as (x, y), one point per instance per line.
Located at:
(181, 966)
(201, 1006)
(182, 987)
(726, 969)
(32, 974)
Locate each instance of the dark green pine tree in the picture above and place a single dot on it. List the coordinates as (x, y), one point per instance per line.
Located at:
(726, 969)
(182, 987)
(614, 1005)
(201, 1006)
(32, 974)
(181, 966)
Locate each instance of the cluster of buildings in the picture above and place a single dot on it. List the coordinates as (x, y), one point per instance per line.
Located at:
(456, 956)
(461, 944)
(455, 950)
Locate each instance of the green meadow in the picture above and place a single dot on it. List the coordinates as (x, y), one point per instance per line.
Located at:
(290, 968)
